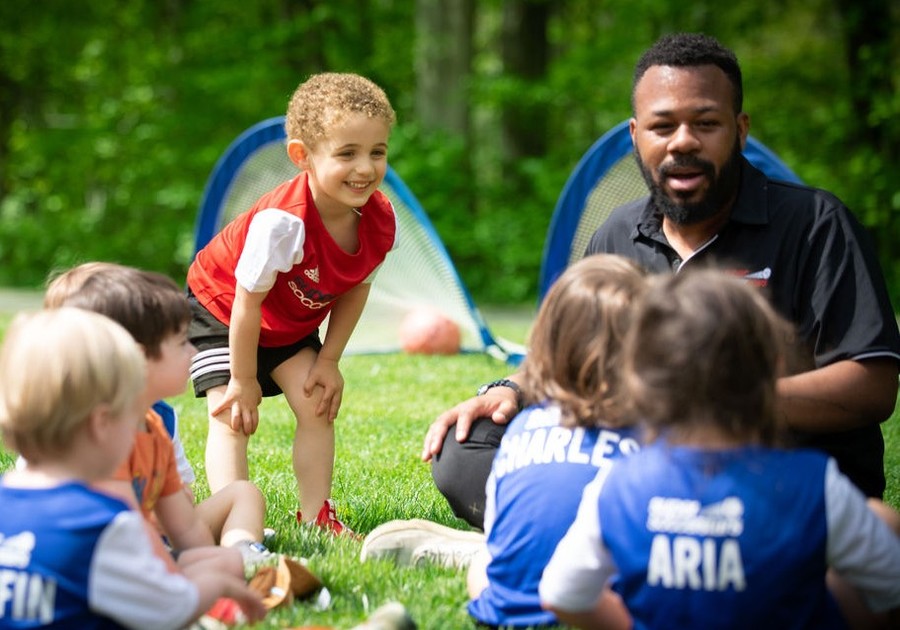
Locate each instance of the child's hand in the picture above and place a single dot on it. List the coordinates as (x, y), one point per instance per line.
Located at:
(250, 601)
(325, 373)
(242, 396)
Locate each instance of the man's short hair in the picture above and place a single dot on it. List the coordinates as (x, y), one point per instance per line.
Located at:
(685, 50)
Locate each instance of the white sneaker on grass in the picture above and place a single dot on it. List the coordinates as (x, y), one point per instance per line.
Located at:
(456, 554)
(390, 616)
(415, 541)
(255, 555)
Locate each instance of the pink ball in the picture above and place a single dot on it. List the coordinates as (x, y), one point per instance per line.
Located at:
(425, 330)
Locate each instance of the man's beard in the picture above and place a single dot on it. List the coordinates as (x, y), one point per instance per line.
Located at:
(721, 188)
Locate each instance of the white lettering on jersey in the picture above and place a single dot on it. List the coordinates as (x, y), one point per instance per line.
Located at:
(554, 444)
(15, 551)
(707, 564)
(697, 546)
(687, 516)
(26, 596)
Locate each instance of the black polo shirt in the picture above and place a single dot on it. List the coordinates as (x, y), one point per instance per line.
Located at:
(817, 265)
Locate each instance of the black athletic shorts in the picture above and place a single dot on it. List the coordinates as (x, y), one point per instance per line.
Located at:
(211, 365)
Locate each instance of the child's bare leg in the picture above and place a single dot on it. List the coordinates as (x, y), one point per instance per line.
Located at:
(234, 513)
(226, 449)
(313, 452)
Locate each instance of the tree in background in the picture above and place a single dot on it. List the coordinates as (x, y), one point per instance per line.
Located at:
(112, 115)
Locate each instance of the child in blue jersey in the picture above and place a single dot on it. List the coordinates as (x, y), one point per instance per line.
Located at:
(557, 444)
(156, 312)
(712, 525)
(70, 555)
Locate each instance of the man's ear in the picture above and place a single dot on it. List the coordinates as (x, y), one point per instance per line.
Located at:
(299, 154)
(743, 125)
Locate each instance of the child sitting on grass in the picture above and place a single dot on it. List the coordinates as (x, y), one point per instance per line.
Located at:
(156, 313)
(72, 556)
(556, 445)
(262, 287)
(549, 452)
(712, 525)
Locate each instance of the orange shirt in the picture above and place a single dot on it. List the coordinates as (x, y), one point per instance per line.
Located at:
(151, 468)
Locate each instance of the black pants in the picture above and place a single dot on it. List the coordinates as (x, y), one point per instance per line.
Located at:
(461, 470)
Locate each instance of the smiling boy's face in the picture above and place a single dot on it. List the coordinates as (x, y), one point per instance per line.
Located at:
(348, 165)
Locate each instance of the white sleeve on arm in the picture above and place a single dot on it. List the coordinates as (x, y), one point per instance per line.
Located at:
(861, 547)
(185, 470)
(580, 567)
(131, 585)
(274, 244)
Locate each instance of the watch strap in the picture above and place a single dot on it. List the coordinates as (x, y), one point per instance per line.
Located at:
(503, 382)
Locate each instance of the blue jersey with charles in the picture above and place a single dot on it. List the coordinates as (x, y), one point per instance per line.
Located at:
(533, 494)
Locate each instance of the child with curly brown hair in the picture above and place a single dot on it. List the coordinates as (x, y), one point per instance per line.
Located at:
(263, 286)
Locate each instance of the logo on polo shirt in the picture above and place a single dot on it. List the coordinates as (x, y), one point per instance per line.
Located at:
(756, 278)
(312, 274)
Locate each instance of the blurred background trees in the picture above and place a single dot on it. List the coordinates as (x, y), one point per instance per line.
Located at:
(113, 112)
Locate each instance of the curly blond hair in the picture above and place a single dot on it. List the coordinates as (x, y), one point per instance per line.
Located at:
(325, 100)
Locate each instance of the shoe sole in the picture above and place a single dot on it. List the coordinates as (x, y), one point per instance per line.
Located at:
(397, 540)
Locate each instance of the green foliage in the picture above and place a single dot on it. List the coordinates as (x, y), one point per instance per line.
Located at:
(112, 115)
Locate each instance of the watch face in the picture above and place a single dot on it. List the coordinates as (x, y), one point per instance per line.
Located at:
(481, 390)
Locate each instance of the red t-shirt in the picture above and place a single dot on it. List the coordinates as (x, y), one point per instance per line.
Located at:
(281, 246)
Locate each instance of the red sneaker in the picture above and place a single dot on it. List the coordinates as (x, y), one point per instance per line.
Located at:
(327, 519)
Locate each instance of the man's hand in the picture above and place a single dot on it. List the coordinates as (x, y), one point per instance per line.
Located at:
(242, 396)
(499, 404)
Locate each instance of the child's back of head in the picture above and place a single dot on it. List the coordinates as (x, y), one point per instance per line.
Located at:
(574, 354)
(705, 349)
(58, 366)
(148, 304)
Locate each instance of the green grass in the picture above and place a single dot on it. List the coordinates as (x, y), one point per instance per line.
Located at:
(389, 402)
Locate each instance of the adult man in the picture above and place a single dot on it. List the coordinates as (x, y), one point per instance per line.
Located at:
(708, 205)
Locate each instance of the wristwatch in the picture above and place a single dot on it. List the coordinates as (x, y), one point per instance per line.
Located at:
(503, 382)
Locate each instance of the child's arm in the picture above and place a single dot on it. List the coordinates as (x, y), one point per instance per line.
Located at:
(132, 586)
(608, 613)
(243, 393)
(181, 522)
(862, 548)
(341, 322)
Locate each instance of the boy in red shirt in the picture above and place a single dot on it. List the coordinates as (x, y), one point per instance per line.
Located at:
(263, 286)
